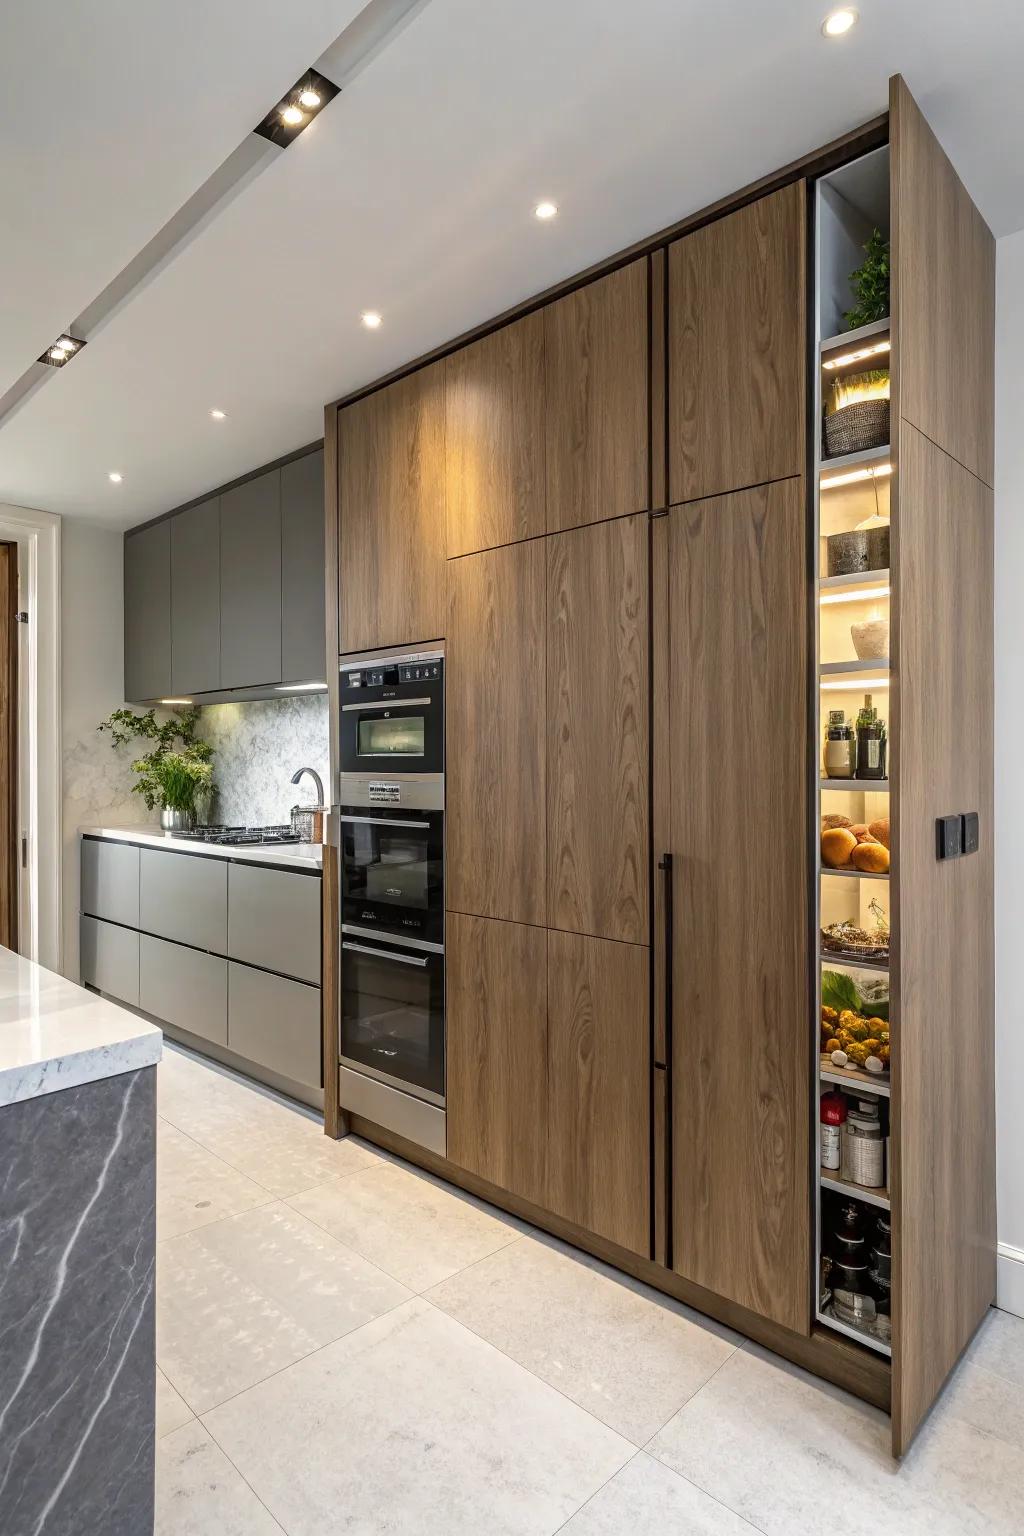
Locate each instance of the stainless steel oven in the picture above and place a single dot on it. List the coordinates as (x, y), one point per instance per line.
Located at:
(392, 1012)
(392, 871)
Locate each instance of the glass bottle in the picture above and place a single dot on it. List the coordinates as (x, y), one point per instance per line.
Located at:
(872, 742)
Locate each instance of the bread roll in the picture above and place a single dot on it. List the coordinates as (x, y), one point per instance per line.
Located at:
(828, 822)
(862, 833)
(871, 858)
(837, 844)
(880, 830)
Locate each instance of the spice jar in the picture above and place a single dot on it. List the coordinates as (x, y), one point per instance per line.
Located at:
(863, 1154)
(833, 1114)
(840, 757)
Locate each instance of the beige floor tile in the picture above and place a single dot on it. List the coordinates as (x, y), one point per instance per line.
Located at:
(771, 1443)
(194, 1188)
(999, 1346)
(628, 1355)
(172, 1411)
(241, 1299)
(199, 1492)
(646, 1497)
(414, 1426)
(416, 1228)
(990, 1402)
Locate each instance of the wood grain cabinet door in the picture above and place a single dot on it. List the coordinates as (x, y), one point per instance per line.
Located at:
(596, 400)
(495, 764)
(736, 347)
(599, 1087)
(496, 1026)
(494, 438)
(598, 729)
(391, 507)
(741, 1015)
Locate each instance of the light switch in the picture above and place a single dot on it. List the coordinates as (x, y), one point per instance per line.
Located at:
(969, 834)
(949, 840)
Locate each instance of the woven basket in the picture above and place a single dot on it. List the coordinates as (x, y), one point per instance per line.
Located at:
(851, 429)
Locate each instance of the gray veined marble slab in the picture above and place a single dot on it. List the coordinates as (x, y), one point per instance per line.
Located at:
(77, 1358)
(55, 1035)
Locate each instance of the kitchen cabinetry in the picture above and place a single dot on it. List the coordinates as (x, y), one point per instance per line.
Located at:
(495, 731)
(494, 439)
(250, 582)
(303, 649)
(275, 1022)
(147, 612)
(109, 959)
(274, 920)
(110, 881)
(598, 1101)
(392, 549)
(597, 707)
(597, 458)
(736, 344)
(736, 703)
(195, 599)
(184, 987)
(496, 988)
(184, 898)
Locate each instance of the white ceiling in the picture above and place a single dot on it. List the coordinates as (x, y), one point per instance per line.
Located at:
(412, 193)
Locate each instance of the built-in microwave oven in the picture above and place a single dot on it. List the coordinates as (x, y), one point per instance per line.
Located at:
(391, 736)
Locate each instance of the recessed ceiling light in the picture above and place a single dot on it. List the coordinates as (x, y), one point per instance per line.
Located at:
(371, 319)
(545, 210)
(62, 350)
(115, 476)
(297, 108)
(838, 22)
(218, 415)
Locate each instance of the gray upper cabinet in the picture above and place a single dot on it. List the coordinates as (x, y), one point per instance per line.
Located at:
(250, 582)
(195, 599)
(303, 624)
(147, 613)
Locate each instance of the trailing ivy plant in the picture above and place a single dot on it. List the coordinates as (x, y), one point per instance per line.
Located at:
(177, 769)
(870, 284)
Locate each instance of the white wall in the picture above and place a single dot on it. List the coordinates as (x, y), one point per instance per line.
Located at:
(1009, 810)
(97, 781)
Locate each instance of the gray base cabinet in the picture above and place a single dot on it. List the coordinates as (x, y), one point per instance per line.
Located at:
(184, 987)
(109, 959)
(184, 898)
(275, 1022)
(274, 920)
(110, 881)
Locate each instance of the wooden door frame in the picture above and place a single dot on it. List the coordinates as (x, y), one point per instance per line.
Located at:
(37, 535)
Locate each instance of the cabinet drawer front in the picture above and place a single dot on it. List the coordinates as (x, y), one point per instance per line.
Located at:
(109, 959)
(274, 920)
(275, 1022)
(110, 881)
(184, 987)
(184, 898)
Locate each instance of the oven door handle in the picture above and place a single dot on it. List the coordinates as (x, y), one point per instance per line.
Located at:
(386, 954)
(386, 704)
(385, 821)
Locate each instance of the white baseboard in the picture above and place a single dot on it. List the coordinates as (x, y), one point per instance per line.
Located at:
(1010, 1279)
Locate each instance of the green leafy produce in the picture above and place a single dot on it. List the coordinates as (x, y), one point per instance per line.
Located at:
(840, 991)
(870, 284)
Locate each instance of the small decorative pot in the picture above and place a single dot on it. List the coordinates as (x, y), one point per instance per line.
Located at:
(871, 639)
(177, 821)
(863, 549)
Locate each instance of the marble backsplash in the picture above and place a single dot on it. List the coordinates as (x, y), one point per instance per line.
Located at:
(257, 747)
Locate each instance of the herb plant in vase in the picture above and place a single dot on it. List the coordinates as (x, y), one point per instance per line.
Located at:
(176, 774)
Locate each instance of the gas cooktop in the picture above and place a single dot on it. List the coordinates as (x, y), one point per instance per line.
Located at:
(239, 837)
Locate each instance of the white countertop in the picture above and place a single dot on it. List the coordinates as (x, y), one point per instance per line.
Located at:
(287, 855)
(54, 1034)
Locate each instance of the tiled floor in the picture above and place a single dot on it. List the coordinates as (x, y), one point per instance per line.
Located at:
(347, 1344)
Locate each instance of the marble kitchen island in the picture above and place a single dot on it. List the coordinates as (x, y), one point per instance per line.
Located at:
(77, 1247)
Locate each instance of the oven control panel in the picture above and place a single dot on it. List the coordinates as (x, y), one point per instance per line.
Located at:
(405, 672)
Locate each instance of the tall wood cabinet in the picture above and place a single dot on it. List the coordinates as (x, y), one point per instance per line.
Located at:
(614, 510)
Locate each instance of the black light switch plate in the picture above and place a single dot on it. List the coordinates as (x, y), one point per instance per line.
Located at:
(969, 834)
(949, 838)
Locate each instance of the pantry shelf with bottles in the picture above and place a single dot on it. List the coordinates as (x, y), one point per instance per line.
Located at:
(853, 478)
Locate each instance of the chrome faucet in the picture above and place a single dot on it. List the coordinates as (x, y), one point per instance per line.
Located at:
(317, 780)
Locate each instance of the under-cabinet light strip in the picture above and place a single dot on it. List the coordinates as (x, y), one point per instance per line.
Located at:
(859, 356)
(855, 684)
(857, 596)
(853, 476)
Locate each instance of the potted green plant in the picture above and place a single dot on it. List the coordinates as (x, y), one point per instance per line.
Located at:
(870, 284)
(177, 773)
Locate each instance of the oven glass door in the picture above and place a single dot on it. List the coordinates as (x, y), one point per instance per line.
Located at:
(392, 1015)
(392, 872)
